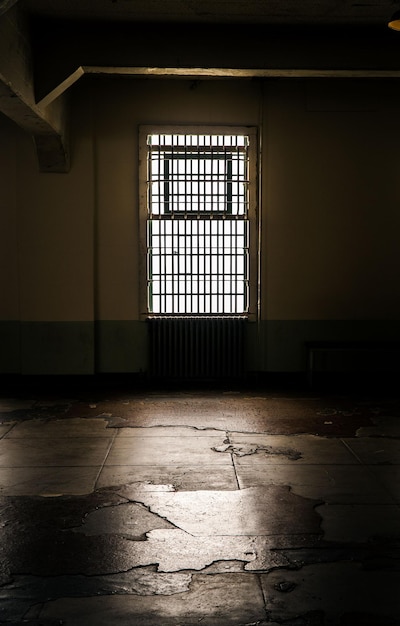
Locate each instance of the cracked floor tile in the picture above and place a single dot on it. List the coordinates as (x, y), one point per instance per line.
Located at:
(72, 451)
(47, 481)
(375, 451)
(383, 426)
(15, 404)
(176, 451)
(181, 478)
(214, 600)
(330, 483)
(61, 428)
(169, 431)
(236, 411)
(359, 523)
(301, 449)
(389, 477)
(24, 595)
(332, 590)
(5, 428)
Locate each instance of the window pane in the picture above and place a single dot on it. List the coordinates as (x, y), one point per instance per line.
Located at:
(197, 225)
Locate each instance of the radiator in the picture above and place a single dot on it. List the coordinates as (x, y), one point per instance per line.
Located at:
(197, 348)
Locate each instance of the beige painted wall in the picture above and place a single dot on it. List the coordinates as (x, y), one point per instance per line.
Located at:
(331, 201)
(9, 284)
(69, 243)
(55, 223)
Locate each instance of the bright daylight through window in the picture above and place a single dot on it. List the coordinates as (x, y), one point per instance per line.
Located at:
(197, 224)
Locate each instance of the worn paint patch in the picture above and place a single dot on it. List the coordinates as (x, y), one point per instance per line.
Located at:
(270, 510)
(128, 520)
(176, 550)
(248, 449)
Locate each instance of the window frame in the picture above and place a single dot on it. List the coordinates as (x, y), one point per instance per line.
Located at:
(251, 216)
(169, 181)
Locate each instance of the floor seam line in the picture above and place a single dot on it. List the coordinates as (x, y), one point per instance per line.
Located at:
(350, 449)
(104, 461)
(228, 436)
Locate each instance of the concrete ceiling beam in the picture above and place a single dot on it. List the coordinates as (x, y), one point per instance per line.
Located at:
(231, 51)
(6, 4)
(47, 125)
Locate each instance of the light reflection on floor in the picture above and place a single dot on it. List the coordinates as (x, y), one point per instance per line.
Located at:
(219, 509)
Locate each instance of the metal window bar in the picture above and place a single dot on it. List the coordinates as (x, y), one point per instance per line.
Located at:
(191, 184)
(198, 231)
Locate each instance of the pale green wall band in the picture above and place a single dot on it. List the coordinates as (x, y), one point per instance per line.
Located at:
(75, 348)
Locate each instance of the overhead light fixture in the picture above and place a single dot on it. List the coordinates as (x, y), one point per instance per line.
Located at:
(394, 22)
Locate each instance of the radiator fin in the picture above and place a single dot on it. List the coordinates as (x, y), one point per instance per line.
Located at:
(197, 347)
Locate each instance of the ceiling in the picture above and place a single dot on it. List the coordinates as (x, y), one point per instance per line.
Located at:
(46, 46)
(368, 12)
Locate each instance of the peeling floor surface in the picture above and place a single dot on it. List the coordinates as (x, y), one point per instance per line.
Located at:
(213, 508)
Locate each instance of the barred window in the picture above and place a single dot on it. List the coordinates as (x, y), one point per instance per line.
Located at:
(197, 223)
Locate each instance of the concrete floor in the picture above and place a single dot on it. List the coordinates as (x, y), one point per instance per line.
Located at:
(212, 508)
